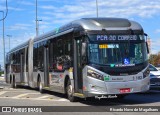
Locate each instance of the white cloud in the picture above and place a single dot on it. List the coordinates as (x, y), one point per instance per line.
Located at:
(54, 15)
(45, 18)
(15, 9)
(18, 39)
(48, 7)
(44, 28)
(27, 3)
(157, 31)
(110, 8)
(155, 46)
(2, 8)
(14, 41)
(11, 6)
(154, 51)
(54, 1)
(47, 0)
(19, 27)
(2, 1)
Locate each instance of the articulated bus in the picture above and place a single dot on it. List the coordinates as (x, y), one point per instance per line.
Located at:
(89, 57)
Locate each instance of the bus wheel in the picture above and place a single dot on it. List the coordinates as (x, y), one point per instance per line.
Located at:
(70, 92)
(40, 86)
(13, 83)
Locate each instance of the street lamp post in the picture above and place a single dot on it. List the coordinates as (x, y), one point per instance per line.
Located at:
(9, 36)
(4, 46)
(38, 26)
(36, 21)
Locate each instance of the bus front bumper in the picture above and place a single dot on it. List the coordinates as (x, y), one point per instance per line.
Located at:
(100, 88)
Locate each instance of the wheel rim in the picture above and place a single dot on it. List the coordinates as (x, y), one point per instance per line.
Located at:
(40, 86)
(15, 85)
(69, 91)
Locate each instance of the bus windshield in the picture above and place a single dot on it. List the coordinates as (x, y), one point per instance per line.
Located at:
(117, 53)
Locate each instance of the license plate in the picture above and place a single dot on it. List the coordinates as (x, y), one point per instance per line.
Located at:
(125, 90)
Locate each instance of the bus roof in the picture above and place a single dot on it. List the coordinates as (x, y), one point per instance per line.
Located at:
(89, 24)
(94, 24)
(25, 44)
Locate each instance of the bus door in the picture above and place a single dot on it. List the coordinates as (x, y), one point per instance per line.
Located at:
(77, 71)
(46, 66)
(22, 67)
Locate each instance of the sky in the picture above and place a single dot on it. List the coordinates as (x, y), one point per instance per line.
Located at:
(20, 23)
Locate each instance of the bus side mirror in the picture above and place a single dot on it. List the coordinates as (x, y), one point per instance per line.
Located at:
(83, 53)
(145, 34)
(147, 48)
(146, 42)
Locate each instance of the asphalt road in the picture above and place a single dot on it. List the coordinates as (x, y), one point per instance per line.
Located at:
(25, 96)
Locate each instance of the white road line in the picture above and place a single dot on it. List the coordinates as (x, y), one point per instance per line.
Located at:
(42, 97)
(21, 95)
(24, 92)
(34, 99)
(3, 92)
(62, 100)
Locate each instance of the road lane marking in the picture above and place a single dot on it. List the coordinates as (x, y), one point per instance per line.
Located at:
(3, 92)
(42, 97)
(62, 100)
(34, 99)
(22, 95)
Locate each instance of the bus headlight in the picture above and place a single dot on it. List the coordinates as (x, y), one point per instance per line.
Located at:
(146, 73)
(95, 75)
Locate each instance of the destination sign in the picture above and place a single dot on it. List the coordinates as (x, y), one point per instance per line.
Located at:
(116, 37)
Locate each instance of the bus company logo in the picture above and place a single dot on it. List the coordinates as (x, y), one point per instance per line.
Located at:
(6, 109)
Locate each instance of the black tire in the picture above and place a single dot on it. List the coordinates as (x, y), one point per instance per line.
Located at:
(90, 98)
(70, 92)
(12, 86)
(40, 86)
(13, 83)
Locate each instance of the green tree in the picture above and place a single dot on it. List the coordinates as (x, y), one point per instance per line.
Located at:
(155, 59)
